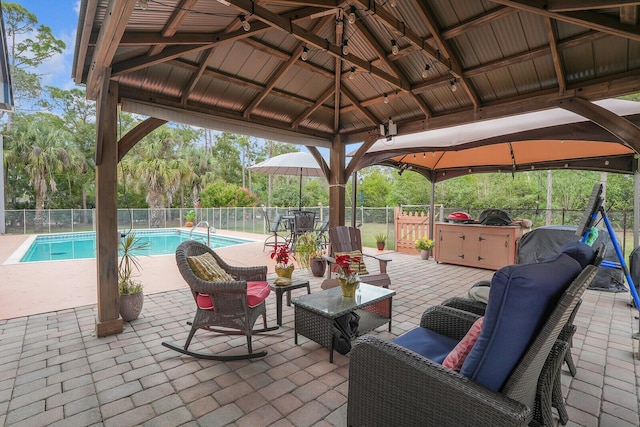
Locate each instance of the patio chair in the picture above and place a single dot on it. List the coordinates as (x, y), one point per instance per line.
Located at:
(403, 382)
(228, 299)
(321, 233)
(276, 227)
(303, 222)
(344, 239)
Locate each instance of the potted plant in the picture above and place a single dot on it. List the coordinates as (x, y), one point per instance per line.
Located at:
(425, 246)
(309, 254)
(381, 239)
(189, 217)
(283, 269)
(130, 293)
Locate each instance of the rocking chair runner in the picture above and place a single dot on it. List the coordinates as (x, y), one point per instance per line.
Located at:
(228, 307)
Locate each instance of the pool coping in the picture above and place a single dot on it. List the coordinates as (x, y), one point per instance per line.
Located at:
(21, 251)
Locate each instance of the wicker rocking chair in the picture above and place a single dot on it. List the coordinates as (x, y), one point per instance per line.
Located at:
(228, 307)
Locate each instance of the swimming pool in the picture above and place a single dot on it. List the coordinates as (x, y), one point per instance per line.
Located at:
(55, 247)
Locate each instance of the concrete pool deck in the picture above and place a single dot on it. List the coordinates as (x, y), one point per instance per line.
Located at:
(39, 287)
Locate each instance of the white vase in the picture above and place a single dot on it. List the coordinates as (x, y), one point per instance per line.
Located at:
(425, 253)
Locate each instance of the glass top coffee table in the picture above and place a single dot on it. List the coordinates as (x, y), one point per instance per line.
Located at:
(315, 313)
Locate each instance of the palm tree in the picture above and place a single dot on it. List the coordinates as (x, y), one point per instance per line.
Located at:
(44, 151)
(156, 167)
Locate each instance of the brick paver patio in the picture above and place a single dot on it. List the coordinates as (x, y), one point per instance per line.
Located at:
(54, 371)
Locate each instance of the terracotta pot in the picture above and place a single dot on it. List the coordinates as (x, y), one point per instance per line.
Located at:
(318, 266)
(131, 306)
(348, 288)
(380, 246)
(188, 224)
(285, 272)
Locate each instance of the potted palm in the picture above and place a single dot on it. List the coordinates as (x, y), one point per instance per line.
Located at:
(189, 217)
(381, 239)
(309, 254)
(130, 292)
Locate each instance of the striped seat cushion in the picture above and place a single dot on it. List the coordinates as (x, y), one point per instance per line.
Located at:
(206, 268)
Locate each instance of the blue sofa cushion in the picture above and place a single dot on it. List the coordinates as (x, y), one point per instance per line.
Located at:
(579, 251)
(427, 343)
(521, 298)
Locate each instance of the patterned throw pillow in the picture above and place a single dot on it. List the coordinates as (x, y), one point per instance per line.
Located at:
(456, 357)
(206, 268)
(360, 267)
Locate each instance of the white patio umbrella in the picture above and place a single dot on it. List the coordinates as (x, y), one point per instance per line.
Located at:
(297, 164)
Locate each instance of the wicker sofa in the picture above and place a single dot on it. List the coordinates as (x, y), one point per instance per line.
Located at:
(390, 383)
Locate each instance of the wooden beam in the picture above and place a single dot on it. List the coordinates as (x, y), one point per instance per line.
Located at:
(195, 77)
(398, 27)
(555, 55)
(321, 162)
(456, 67)
(622, 128)
(144, 61)
(377, 47)
(571, 5)
(171, 27)
(128, 141)
(85, 38)
(368, 114)
(321, 100)
(282, 70)
(108, 321)
(605, 87)
(111, 31)
(476, 21)
(337, 183)
(360, 152)
(283, 24)
(592, 20)
(629, 15)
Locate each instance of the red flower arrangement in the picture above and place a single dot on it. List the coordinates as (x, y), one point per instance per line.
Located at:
(347, 267)
(281, 254)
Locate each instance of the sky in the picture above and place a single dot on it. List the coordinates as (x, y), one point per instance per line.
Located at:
(62, 17)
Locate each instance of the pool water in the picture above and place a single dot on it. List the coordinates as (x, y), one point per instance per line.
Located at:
(54, 247)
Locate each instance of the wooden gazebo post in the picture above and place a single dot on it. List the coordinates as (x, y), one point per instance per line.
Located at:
(108, 321)
(337, 182)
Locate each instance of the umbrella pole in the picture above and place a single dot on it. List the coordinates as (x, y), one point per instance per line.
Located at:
(300, 193)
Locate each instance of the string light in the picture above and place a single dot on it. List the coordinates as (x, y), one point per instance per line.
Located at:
(386, 99)
(454, 85)
(352, 74)
(345, 47)
(392, 3)
(339, 23)
(352, 15)
(245, 23)
(305, 53)
(425, 73)
(394, 47)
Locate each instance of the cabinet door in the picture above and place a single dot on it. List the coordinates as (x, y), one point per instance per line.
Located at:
(495, 249)
(450, 245)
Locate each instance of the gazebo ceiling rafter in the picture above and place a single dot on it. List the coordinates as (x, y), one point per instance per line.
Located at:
(422, 103)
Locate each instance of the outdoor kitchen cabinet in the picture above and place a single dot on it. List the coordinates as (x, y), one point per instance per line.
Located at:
(475, 245)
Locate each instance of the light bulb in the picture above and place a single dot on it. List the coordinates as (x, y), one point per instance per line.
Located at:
(386, 99)
(392, 3)
(305, 53)
(245, 23)
(352, 15)
(425, 72)
(453, 84)
(394, 47)
(352, 74)
(338, 23)
(345, 47)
